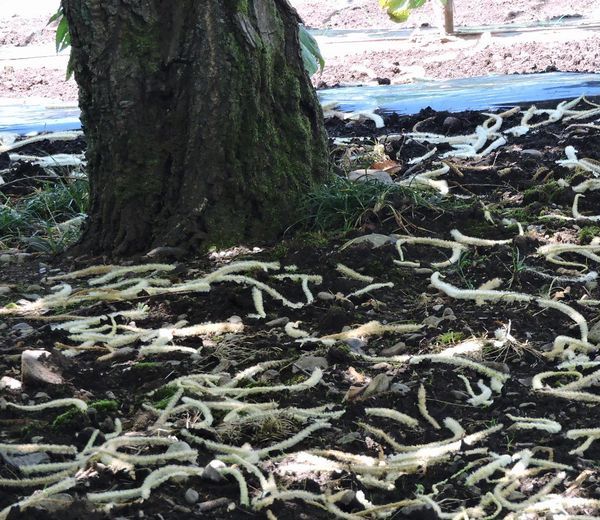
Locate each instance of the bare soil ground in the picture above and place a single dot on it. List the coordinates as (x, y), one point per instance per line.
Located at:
(425, 55)
(320, 401)
(366, 14)
(432, 59)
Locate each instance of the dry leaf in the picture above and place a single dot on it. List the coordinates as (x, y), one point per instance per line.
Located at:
(560, 295)
(379, 384)
(389, 166)
(355, 377)
(354, 392)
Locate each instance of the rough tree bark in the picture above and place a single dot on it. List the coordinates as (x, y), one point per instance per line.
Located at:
(202, 125)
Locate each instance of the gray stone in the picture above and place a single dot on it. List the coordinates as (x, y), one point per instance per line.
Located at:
(394, 350)
(278, 322)
(27, 459)
(594, 334)
(371, 175)
(22, 329)
(309, 363)
(36, 370)
(448, 314)
(380, 383)
(355, 344)
(178, 446)
(10, 384)
(533, 153)
(107, 425)
(347, 497)
(191, 496)
(42, 396)
(211, 470)
(451, 123)
(325, 296)
(400, 388)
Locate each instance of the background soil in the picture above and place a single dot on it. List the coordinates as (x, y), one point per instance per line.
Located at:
(423, 55)
(366, 14)
(520, 181)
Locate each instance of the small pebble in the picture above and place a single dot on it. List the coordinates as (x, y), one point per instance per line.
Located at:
(451, 123)
(278, 322)
(211, 470)
(191, 496)
(178, 446)
(325, 296)
(532, 153)
(400, 388)
(107, 425)
(394, 350)
(356, 344)
(41, 396)
(10, 384)
(23, 329)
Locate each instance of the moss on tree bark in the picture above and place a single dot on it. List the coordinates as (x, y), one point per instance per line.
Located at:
(202, 125)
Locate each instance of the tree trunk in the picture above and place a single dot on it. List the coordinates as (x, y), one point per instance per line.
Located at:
(202, 125)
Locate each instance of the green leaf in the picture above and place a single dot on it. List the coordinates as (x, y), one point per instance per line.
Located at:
(63, 37)
(399, 10)
(310, 62)
(311, 54)
(399, 15)
(58, 14)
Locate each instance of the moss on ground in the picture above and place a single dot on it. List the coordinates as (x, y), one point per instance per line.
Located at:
(588, 233)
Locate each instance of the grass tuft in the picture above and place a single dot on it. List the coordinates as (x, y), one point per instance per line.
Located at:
(47, 220)
(343, 205)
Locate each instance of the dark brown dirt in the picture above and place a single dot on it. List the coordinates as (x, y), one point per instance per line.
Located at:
(513, 182)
